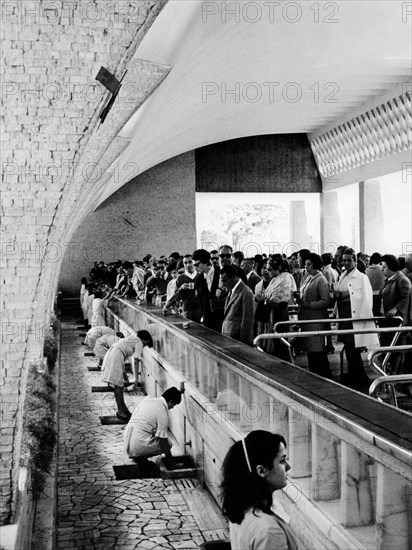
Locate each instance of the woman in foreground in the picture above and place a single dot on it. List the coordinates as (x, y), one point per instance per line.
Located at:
(253, 469)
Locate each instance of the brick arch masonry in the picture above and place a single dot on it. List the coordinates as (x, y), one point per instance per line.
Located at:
(51, 143)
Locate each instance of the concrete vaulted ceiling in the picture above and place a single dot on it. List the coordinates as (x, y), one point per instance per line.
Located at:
(292, 67)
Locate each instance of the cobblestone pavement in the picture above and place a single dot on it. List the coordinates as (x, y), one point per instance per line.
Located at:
(94, 511)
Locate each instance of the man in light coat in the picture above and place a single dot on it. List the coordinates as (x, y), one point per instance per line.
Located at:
(239, 307)
(354, 299)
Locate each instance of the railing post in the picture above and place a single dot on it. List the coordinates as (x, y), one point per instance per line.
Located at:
(391, 510)
(279, 417)
(299, 445)
(260, 400)
(246, 406)
(325, 465)
(184, 358)
(205, 382)
(357, 500)
(192, 365)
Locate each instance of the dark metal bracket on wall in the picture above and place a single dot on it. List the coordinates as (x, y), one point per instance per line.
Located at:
(111, 83)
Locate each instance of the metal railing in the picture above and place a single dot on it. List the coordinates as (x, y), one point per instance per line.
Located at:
(333, 320)
(372, 355)
(331, 451)
(391, 381)
(337, 320)
(284, 336)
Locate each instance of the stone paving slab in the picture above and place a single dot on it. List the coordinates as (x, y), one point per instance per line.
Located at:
(94, 511)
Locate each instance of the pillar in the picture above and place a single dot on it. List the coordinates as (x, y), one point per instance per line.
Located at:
(331, 222)
(298, 224)
(392, 497)
(357, 501)
(299, 444)
(325, 465)
(372, 223)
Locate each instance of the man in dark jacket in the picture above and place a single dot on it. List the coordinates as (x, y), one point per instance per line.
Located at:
(206, 285)
(239, 307)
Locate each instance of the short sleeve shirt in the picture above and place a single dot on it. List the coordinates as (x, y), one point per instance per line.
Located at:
(151, 418)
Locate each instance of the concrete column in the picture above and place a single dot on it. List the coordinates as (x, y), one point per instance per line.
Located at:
(362, 216)
(373, 220)
(247, 410)
(391, 510)
(325, 465)
(202, 367)
(357, 501)
(261, 403)
(331, 221)
(299, 444)
(278, 416)
(185, 358)
(298, 224)
(228, 400)
(211, 369)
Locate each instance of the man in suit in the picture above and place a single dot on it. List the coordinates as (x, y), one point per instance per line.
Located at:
(206, 285)
(251, 276)
(239, 307)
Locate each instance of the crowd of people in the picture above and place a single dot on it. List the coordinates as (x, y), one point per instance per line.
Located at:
(244, 297)
(241, 298)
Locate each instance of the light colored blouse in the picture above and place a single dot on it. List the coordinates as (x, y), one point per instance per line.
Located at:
(261, 531)
(279, 289)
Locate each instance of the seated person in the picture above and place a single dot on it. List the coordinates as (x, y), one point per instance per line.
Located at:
(146, 432)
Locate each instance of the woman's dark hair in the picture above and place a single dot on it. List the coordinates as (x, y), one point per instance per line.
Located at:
(173, 394)
(97, 293)
(391, 261)
(145, 335)
(242, 489)
(376, 258)
(84, 280)
(303, 252)
(276, 261)
(315, 259)
(327, 258)
(279, 260)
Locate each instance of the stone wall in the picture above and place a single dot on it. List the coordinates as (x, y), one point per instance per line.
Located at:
(52, 52)
(154, 212)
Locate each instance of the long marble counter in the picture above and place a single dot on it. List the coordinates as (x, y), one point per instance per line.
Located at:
(351, 455)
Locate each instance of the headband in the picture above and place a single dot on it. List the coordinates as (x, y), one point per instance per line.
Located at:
(246, 455)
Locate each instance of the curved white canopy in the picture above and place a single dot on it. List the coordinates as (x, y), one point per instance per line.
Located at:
(247, 68)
